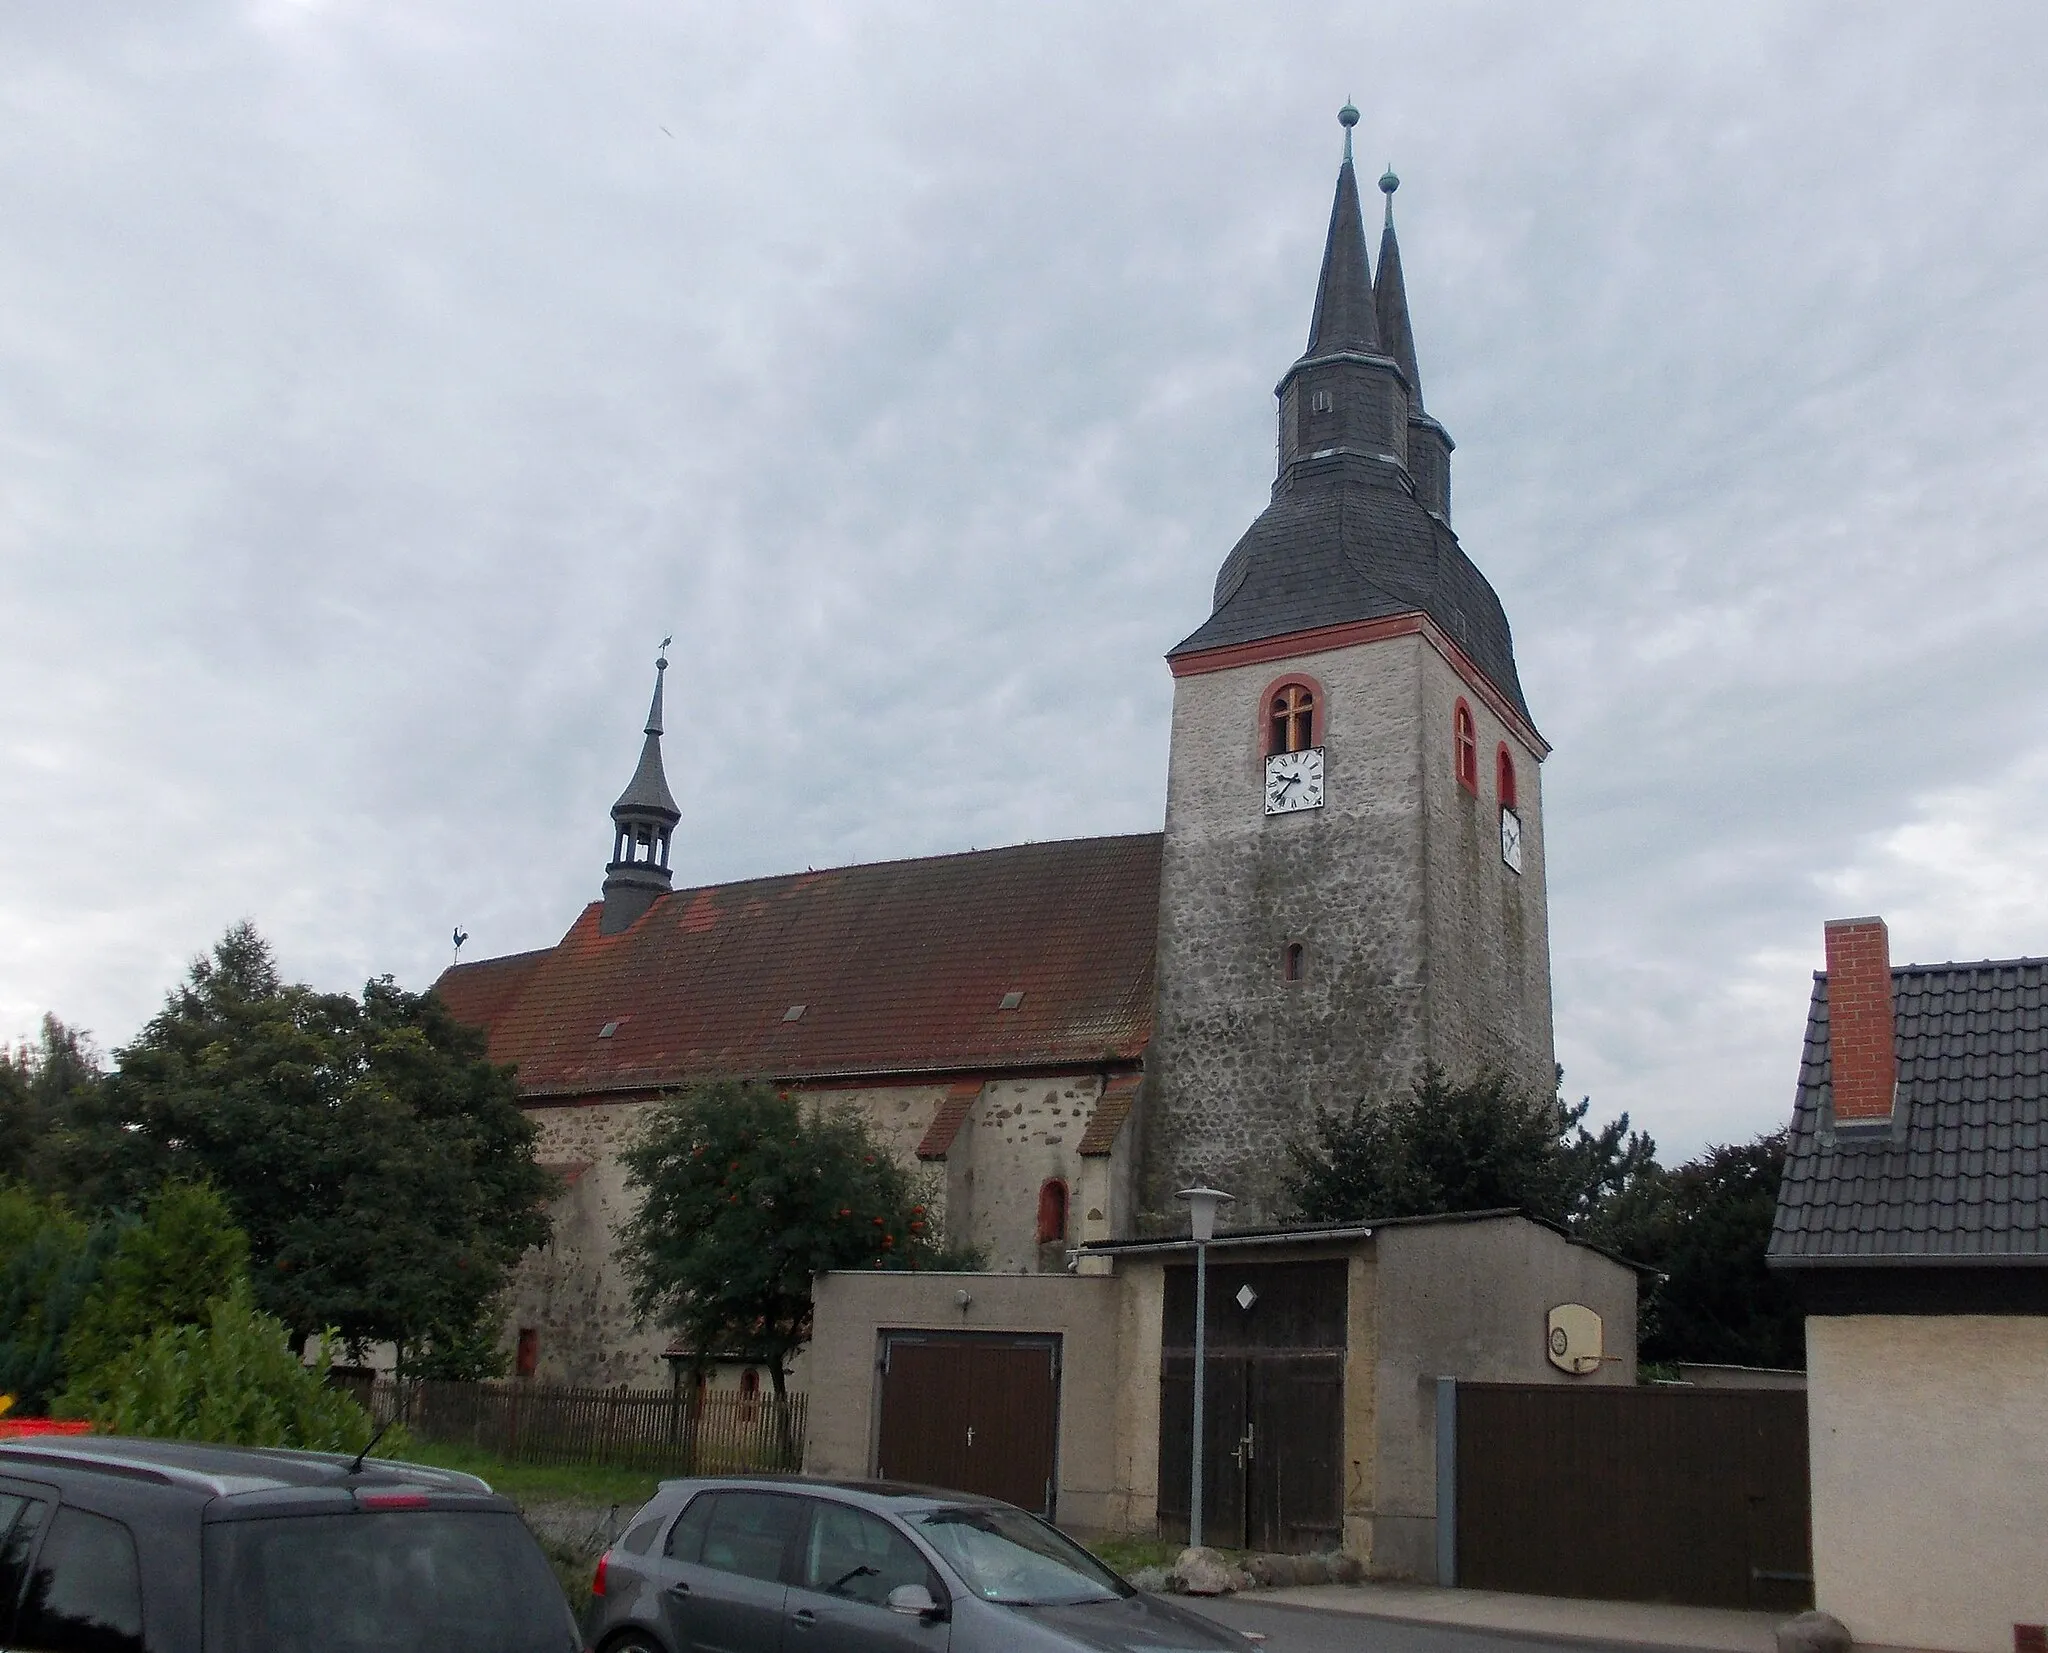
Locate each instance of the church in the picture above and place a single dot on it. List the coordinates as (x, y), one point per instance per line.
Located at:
(1349, 884)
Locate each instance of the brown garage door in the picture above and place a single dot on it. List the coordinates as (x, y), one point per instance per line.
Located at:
(976, 1413)
(1634, 1494)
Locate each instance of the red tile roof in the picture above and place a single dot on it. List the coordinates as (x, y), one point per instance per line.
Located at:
(900, 968)
(937, 1141)
(1099, 1139)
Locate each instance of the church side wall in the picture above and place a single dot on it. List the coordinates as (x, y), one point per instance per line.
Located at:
(1241, 1058)
(573, 1293)
(1488, 927)
(1026, 1132)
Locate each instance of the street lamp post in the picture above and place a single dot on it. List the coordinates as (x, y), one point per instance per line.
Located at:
(1202, 1206)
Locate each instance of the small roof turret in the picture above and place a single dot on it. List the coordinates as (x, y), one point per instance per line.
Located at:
(642, 821)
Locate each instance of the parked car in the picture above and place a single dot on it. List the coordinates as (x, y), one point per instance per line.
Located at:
(757, 1565)
(111, 1545)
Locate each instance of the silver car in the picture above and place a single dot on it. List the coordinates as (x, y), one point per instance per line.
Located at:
(800, 1566)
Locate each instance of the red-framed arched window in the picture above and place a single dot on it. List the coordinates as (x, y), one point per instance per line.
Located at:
(1504, 779)
(1291, 715)
(1052, 1211)
(1466, 740)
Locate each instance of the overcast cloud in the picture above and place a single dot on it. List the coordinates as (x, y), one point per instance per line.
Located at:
(381, 379)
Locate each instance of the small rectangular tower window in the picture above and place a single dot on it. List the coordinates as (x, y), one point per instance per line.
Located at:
(1320, 401)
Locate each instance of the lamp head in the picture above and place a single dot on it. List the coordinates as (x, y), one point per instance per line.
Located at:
(1203, 1204)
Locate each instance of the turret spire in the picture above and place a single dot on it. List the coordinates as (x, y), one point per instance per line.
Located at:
(642, 821)
(1390, 299)
(1344, 312)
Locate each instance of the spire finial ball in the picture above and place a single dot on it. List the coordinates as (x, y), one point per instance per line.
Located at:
(1347, 116)
(1388, 182)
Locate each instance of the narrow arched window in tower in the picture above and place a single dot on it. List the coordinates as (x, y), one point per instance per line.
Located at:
(1052, 1211)
(1291, 719)
(1467, 750)
(1505, 785)
(1293, 961)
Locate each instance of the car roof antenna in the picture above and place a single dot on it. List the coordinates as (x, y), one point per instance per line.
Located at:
(356, 1468)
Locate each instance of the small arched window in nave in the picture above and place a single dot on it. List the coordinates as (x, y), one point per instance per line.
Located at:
(1052, 1211)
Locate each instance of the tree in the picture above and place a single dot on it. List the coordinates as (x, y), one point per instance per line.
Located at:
(1705, 1227)
(166, 1268)
(1479, 1146)
(743, 1197)
(39, 1085)
(379, 1165)
(49, 1258)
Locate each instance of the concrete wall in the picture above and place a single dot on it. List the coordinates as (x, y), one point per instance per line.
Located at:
(1240, 1058)
(854, 1309)
(1470, 1300)
(1929, 1439)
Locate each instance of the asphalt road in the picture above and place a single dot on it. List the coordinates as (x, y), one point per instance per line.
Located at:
(1307, 1630)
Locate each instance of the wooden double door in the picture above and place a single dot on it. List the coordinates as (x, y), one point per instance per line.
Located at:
(972, 1412)
(1273, 1406)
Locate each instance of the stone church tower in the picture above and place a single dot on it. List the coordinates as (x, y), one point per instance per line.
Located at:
(1352, 874)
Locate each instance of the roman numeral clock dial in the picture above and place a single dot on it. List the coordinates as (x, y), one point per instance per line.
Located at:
(1294, 780)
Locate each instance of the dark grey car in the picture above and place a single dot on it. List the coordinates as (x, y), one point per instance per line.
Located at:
(800, 1566)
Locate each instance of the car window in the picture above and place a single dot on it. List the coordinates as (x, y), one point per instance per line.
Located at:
(686, 1537)
(1006, 1555)
(852, 1553)
(21, 1519)
(749, 1533)
(85, 1594)
(455, 1581)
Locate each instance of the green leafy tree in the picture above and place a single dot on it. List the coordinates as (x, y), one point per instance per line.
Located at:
(744, 1195)
(378, 1164)
(167, 1268)
(40, 1084)
(234, 1379)
(1478, 1146)
(1705, 1228)
(49, 1259)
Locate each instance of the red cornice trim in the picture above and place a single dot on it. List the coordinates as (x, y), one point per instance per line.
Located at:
(1323, 638)
(1294, 645)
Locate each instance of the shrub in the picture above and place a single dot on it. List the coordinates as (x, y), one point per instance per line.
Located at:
(233, 1380)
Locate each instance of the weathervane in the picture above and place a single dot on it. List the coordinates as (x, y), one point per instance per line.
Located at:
(461, 935)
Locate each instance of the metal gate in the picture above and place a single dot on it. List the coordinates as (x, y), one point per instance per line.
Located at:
(1634, 1494)
(974, 1412)
(1273, 1405)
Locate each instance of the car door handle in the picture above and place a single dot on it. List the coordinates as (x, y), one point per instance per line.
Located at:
(805, 1618)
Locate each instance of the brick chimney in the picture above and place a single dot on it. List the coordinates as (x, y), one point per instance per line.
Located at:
(1860, 1052)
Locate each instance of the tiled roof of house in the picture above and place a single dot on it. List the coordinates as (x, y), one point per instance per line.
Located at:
(1344, 540)
(1960, 1175)
(894, 968)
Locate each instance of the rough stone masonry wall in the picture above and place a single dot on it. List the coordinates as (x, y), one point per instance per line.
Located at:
(572, 1291)
(1240, 1058)
(1022, 1132)
(1488, 927)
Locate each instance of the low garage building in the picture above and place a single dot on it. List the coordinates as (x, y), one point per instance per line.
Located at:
(1071, 1394)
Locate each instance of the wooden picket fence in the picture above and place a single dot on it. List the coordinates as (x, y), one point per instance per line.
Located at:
(716, 1432)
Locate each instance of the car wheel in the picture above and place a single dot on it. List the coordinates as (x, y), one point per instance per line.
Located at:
(633, 1642)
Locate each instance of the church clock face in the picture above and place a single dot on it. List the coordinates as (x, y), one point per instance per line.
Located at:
(1294, 780)
(1511, 840)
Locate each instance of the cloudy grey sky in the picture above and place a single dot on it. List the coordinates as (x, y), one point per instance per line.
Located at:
(381, 379)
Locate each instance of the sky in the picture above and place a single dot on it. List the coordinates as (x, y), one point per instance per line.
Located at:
(381, 380)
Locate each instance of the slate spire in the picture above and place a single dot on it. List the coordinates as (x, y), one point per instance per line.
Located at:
(642, 821)
(1344, 318)
(1390, 299)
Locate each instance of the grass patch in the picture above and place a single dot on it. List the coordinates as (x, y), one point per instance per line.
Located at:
(1127, 1553)
(541, 1483)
